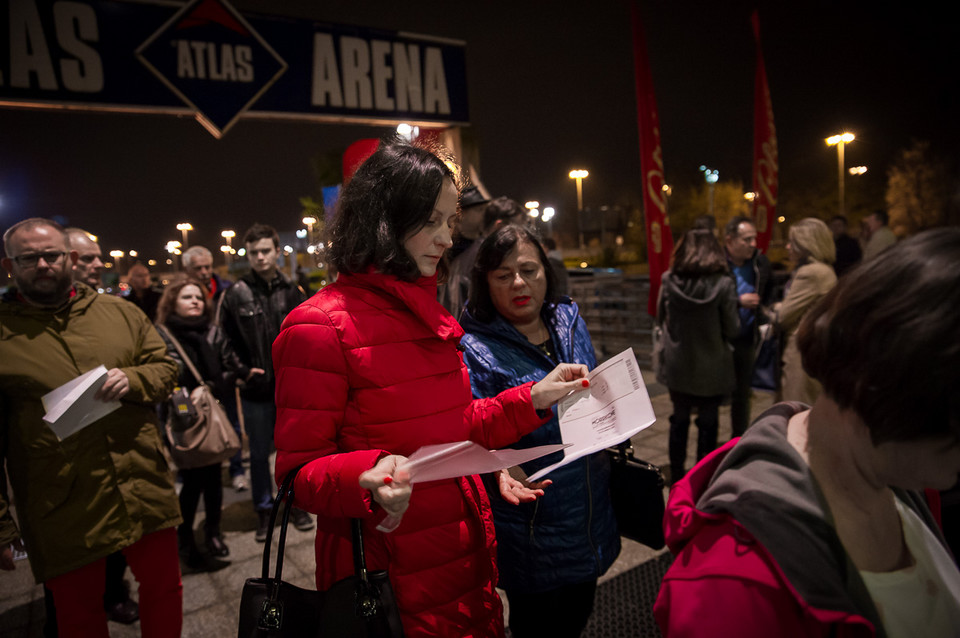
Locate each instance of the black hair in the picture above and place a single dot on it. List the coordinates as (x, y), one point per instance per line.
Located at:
(490, 255)
(260, 231)
(391, 196)
(883, 342)
(881, 216)
(732, 229)
(698, 253)
(500, 209)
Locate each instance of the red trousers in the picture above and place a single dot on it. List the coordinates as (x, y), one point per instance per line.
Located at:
(78, 595)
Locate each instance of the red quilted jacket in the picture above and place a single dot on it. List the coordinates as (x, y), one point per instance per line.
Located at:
(368, 367)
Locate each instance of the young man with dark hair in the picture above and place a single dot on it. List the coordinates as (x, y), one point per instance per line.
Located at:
(251, 312)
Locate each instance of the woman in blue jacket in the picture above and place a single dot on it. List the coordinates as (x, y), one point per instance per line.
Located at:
(551, 551)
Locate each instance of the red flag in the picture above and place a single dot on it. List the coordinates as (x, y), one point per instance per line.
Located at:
(659, 239)
(765, 164)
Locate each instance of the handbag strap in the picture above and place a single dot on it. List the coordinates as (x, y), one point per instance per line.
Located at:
(183, 355)
(286, 493)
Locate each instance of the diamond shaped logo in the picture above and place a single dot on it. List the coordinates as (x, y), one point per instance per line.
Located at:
(213, 60)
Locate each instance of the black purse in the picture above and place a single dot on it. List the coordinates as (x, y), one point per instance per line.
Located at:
(359, 606)
(636, 490)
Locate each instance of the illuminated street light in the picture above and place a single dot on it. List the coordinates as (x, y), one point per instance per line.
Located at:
(548, 213)
(309, 221)
(185, 227)
(840, 141)
(711, 175)
(857, 170)
(407, 132)
(173, 247)
(228, 236)
(533, 209)
(579, 174)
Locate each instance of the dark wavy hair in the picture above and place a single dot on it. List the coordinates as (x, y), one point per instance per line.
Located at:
(490, 255)
(390, 197)
(698, 253)
(884, 341)
(167, 306)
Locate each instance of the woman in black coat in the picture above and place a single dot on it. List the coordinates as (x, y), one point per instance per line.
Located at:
(185, 311)
(698, 313)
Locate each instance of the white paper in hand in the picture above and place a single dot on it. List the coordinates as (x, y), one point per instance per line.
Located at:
(614, 408)
(71, 407)
(464, 458)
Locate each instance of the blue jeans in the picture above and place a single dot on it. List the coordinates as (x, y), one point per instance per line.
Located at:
(258, 419)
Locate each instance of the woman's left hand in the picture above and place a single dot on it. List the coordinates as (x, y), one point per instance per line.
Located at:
(516, 491)
(254, 372)
(558, 383)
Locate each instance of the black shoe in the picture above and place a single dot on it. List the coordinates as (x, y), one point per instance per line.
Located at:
(301, 520)
(125, 612)
(216, 546)
(263, 527)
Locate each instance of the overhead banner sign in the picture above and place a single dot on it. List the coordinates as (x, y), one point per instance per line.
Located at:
(207, 58)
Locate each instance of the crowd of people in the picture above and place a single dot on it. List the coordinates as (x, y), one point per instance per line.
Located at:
(448, 321)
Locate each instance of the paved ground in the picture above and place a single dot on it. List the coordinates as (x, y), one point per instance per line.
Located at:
(211, 600)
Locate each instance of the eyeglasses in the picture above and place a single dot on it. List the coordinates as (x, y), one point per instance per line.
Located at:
(31, 260)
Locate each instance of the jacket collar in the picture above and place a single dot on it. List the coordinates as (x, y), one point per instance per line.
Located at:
(419, 296)
(79, 298)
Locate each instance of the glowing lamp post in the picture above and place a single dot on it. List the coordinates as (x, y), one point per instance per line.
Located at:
(228, 236)
(711, 175)
(579, 175)
(839, 141)
(185, 228)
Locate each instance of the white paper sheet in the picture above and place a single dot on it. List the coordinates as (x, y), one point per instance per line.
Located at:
(615, 407)
(71, 407)
(464, 458)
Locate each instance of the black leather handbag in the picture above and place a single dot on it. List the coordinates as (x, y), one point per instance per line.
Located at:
(359, 606)
(636, 490)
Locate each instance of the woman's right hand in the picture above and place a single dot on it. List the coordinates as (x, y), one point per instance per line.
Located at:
(389, 486)
(558, 383)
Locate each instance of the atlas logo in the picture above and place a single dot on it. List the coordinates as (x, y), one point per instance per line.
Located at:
(213, 60)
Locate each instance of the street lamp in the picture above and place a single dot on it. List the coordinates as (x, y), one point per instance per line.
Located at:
(309, 220)
(533, 209)
(711, 175)
(579, 174)
(117, 257)
(839, 141)
(857, 170)
(185, 228)
(173, 247)
(228, 236)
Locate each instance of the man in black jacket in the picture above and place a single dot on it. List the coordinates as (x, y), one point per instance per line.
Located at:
(751, 269)
(251, 312)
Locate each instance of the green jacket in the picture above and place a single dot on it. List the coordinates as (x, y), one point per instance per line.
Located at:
(104, 487)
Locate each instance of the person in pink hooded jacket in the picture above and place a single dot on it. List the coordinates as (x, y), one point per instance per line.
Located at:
(814, 522)
(369, 370)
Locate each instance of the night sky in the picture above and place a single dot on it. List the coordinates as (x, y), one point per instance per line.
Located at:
(550, 88)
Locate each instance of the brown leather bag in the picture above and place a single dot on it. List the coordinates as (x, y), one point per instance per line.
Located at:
(206, 437)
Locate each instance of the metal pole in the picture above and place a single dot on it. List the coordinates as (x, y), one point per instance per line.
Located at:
(580, 211)
(840, 171)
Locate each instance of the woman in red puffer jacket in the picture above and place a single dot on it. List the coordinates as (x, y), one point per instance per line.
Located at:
(368, 371)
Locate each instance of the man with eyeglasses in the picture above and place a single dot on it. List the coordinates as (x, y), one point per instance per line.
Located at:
(89, 266)
(104, 488)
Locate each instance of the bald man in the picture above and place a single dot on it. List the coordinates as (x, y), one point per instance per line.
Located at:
(89, 265)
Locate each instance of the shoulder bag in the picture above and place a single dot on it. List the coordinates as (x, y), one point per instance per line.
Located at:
(636, 490)
(201, 436)
(359, 606)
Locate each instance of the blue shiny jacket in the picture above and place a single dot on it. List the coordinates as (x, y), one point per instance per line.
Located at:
(569, 535)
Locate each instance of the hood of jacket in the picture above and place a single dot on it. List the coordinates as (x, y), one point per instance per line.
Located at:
(694, 292)
(762, 484)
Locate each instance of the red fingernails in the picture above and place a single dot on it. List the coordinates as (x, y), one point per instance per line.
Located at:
(387, 480)
(585, 383)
